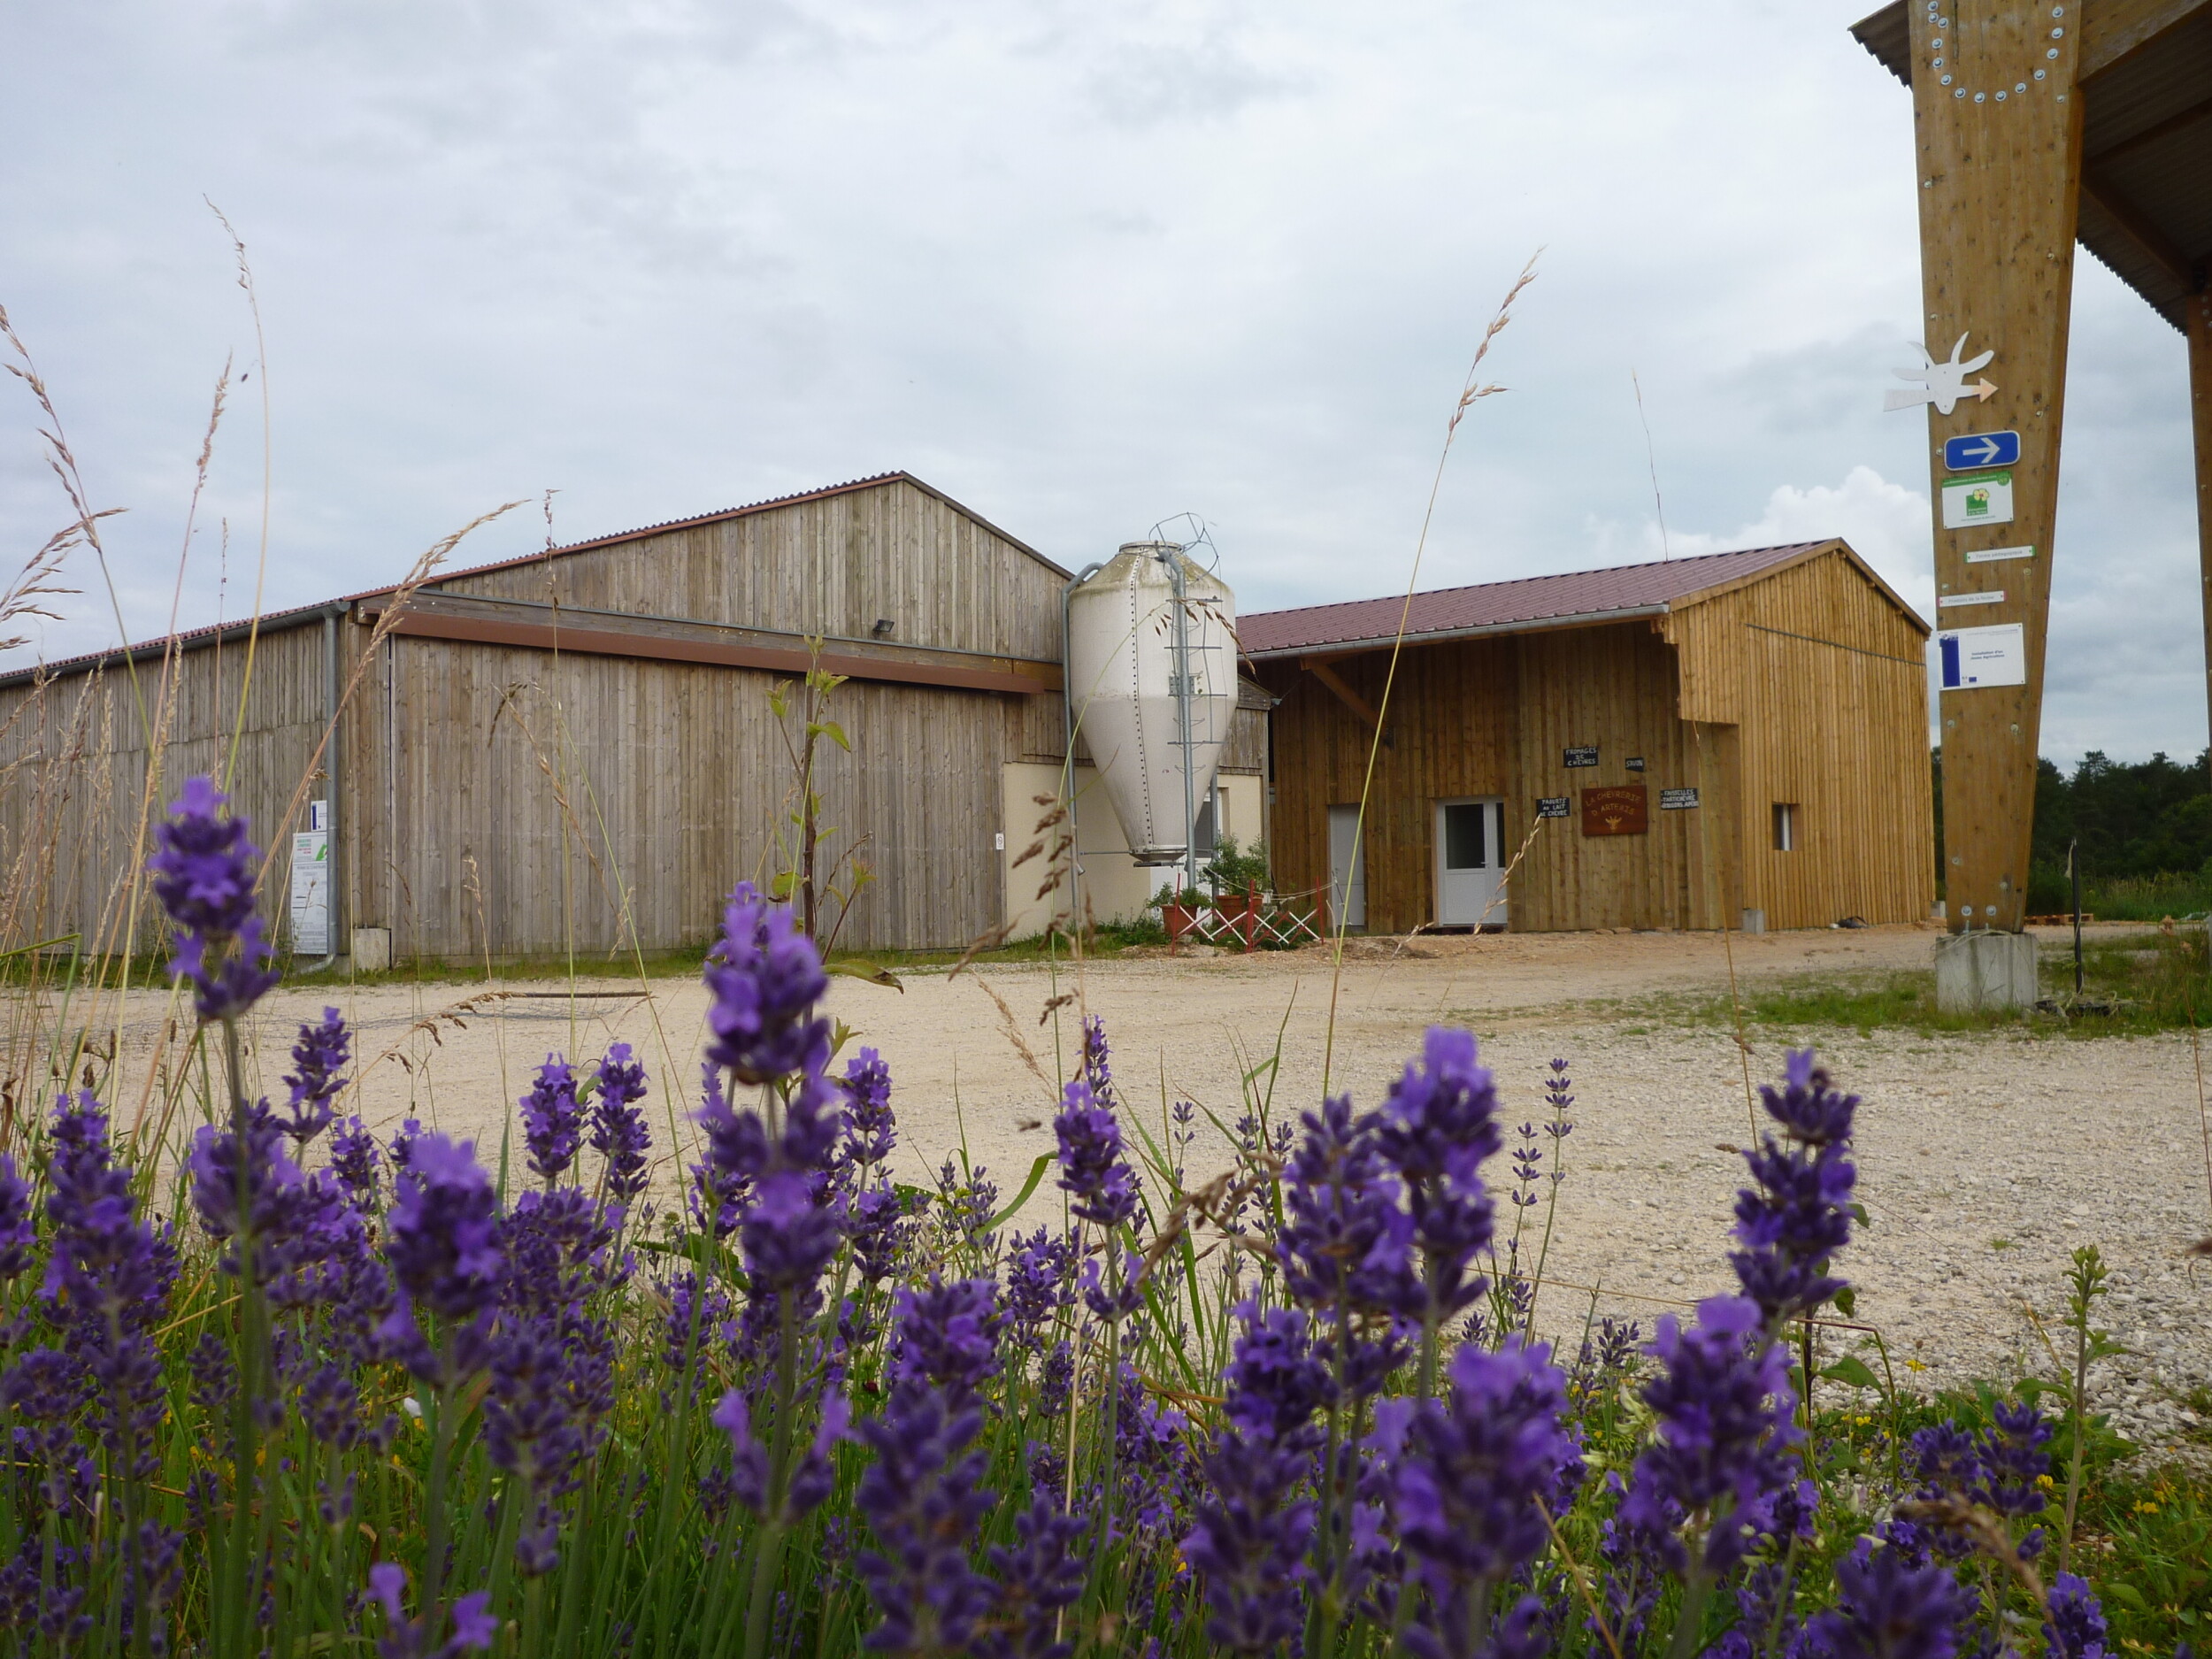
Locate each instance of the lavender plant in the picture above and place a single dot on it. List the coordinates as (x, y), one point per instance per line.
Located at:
(359, 1398)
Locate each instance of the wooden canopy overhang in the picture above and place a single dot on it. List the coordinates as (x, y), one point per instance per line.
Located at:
(2145, 187)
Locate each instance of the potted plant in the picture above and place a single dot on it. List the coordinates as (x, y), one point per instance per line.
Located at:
(1179, 911)
(1238, 878)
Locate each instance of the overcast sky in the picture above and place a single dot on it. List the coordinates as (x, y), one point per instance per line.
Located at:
(1080, 266)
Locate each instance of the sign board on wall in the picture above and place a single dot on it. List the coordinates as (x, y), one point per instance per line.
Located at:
(1580, 756)
(1621, 809)
(1968, 658)
(1676, 800)
(310, 885)
(1553, 806)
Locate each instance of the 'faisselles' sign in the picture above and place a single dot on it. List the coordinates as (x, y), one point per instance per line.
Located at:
(1623, 809)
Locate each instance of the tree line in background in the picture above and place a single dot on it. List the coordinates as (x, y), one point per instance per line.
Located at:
(2142, 830)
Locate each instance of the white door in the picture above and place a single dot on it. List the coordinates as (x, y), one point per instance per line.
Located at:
(1470, 863)
(1348, 869)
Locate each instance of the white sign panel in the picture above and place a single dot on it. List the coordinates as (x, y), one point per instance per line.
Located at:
(1976, 498)
(1994, 596)
(1994, 554)
(1968, 658)
(310, 892)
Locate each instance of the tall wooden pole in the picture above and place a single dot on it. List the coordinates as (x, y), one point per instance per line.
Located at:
(2201, 423)
(1997, 122)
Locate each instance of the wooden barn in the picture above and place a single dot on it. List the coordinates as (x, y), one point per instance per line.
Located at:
(577, 750)
(1735, 740)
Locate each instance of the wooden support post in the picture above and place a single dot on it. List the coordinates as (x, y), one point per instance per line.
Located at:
(1998, 122)
(2200, 312)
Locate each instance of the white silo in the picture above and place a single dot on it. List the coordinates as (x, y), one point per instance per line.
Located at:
(1151, 685)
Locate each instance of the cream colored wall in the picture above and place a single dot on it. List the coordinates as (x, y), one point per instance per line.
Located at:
(1115, 887)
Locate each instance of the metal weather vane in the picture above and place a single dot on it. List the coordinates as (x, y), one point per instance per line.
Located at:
(1945, 382)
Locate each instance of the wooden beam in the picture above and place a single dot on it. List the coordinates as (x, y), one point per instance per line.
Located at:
(2152, 133)
(1999, 163)
(2199, 311)
(705, 645)
(1345, 695)
(2153, 242)
(2115, 30)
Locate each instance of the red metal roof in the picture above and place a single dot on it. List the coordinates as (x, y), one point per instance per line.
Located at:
(1622, 590)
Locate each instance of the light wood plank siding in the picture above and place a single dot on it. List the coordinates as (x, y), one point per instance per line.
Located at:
(74, 774)
(1804, 684)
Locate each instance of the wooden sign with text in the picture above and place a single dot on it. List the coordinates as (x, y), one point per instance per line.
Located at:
(1623, 809)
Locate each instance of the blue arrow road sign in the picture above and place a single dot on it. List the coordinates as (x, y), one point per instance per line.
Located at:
(1981, 448)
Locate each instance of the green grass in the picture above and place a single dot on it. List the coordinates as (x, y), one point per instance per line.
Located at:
(1108, 941)
(2148, 898)
(2151, 982)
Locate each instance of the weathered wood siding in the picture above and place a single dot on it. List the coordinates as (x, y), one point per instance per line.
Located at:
(529, 801)
(1804, 686)
(833, 565)
(524, 801)
(74, 777)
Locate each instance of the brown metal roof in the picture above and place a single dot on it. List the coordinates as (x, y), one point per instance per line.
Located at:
(1613, 595)
(2147, 142)
(300, 616)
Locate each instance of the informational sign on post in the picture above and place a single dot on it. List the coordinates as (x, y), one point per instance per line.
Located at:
(1971, 657)
(310, 885)
(1976, 498)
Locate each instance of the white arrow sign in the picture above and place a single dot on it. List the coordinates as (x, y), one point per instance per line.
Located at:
(1946, 382)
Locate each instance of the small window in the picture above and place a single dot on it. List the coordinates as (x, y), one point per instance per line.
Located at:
(1463, 837)
(1785, 826)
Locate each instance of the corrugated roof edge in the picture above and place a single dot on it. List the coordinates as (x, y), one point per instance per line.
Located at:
(1794, 553)
(278, 621)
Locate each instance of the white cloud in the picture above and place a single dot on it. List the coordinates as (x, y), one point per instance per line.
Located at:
(1887, 524)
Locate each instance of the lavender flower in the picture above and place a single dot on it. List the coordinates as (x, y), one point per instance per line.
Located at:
(1999, 1470)
(1474, 1468)
(1890, 1609)
(444, 1246)
(1039, 1284)
(1345, 1246)
(1251, 1528)
(317, 1058)
(765, 977)
(354, 1160)
(870, 1129)
(18, 1229)
(1797, 1218)
(921, 1500)
(552, 1121)
(1722, 1402)
(203, 873)
(2076, 1627)
(474, 1627)
(618, 1133)
(752, 1476)
(1436, 1127)
(1092, 1168)
(946, 1338)
(1037, 1577)
(107, 1283)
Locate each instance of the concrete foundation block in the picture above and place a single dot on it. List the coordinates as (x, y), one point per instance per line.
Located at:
(1985, 970)
(1754, 922)
(371, 949)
